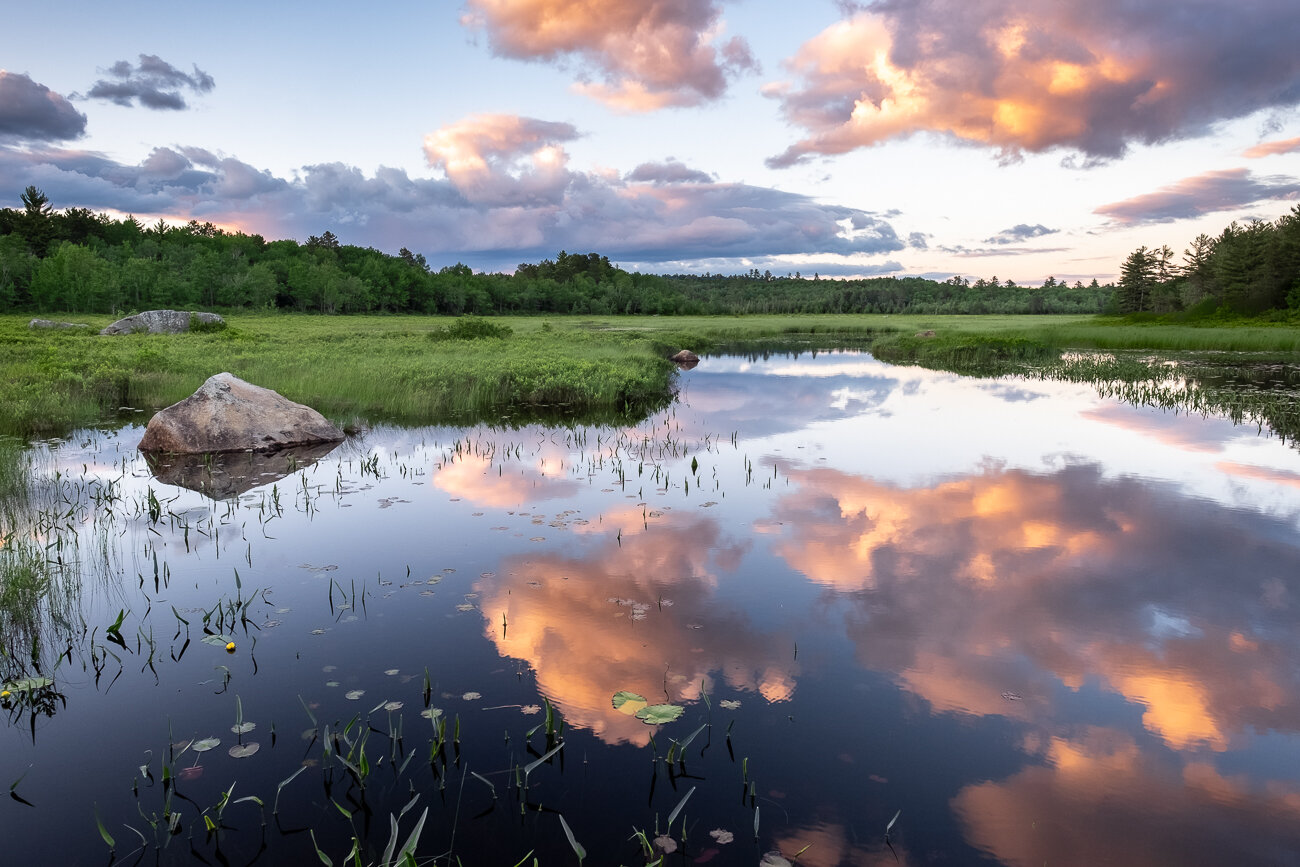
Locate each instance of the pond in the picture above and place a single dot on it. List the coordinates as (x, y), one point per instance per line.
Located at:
(822, 610)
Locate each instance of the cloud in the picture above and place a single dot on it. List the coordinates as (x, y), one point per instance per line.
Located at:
(1272, 148)
(154, 83)
(503, 159)
(1019, 76)
(1020, 233)
(31, 111)
(508, 195)
(669, 172)
(1201, 194)
(635, 55)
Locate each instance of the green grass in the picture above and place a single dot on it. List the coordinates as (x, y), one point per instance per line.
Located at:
(507, 369)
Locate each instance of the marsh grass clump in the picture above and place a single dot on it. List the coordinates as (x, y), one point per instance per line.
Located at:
(962, 353)
(472, 328)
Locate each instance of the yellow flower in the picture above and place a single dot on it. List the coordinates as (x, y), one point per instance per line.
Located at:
(5, 694)
(230, 648)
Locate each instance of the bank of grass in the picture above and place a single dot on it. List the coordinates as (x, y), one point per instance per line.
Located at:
(436, 369)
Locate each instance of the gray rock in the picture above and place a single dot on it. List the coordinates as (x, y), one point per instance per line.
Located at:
(50, 323)
(163, 322)
(227, 414)
(686, 357)
(929, 332)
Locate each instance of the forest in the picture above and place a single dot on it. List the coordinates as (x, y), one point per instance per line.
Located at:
(1247, 270)
(76, 261)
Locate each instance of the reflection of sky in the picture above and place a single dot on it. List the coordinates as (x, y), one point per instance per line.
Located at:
(1086, 610)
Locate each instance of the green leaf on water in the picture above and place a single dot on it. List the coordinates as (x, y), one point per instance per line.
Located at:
(103, 832)
(658, 714)
(243, 751)
(243, 728)
(217, 640)
(628, 702)
(27, 684)
(206, 744)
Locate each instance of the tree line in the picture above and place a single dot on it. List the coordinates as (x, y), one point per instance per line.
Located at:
(76, 261)
(1247, 269)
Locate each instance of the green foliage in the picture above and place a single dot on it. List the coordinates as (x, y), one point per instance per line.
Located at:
(472, 328)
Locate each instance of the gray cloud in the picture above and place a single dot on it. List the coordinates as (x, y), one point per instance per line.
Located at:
(154, 83)
(1019, 233)
(446, 218)
(1023, 75)
(1202, 194)
(31, 111)
(668, 172)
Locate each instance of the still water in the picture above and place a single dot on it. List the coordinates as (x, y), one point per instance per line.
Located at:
(908, 618)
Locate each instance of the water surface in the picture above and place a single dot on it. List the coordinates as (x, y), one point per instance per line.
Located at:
(1043, 625)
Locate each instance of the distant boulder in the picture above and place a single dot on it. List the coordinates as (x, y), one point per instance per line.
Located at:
(686, 357)
(164, 322)
(50, 323)
(227, 414)
(929, 332)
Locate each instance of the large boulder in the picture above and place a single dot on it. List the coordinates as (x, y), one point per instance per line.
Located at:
(164, 322)
(227, 414)
(686, 356)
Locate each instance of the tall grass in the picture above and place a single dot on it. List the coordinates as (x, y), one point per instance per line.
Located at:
(435, 369)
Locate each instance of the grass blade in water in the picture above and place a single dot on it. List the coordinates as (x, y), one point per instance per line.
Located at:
(682, 803)
(577, 847)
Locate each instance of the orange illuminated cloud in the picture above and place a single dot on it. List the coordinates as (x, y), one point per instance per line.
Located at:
(986, 594)
(1098, 798)
(638, 615)
(645, 54)
(1272, 148)
(503, 159)
(1018, 75)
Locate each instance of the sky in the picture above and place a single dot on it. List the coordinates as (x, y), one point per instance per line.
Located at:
(1009, 138)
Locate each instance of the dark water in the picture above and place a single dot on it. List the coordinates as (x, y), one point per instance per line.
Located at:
(1046, 627)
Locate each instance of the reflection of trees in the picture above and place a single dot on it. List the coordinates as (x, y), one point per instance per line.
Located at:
(1018, 583)
(637, 614)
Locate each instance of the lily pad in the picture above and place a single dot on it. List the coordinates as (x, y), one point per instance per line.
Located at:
(355, 694)
(243, 728)
(243, 751)
(658, 714)
(206, 744)
(393, 705)
(472, 696)
(729, 704)
(27, 684)
(431, 713)
(722, 836)
(628, 702)
(217, 640)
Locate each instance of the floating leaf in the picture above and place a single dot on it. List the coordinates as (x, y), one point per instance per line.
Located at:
(472, 696)
(530, 709)
(393, 705)
(628, 702)
(27, 684)
(243, 751)
(774, 859)
(431, 713)
(391, 672)
(243, 728)
(206, 744)
(658, 714)
(666, 843)
(354, 694)
(721, 836)
(729, 704)
(217, 640)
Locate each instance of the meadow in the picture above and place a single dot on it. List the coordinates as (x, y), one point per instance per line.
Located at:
(419, 370)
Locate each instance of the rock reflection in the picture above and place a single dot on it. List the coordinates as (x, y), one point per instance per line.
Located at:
(636, 614)
(229, 474)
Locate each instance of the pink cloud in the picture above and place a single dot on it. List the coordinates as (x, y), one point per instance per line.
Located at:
(503, 159)
(1201, 194)
(1272, 148)
(1022, 76)
(637, 55)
